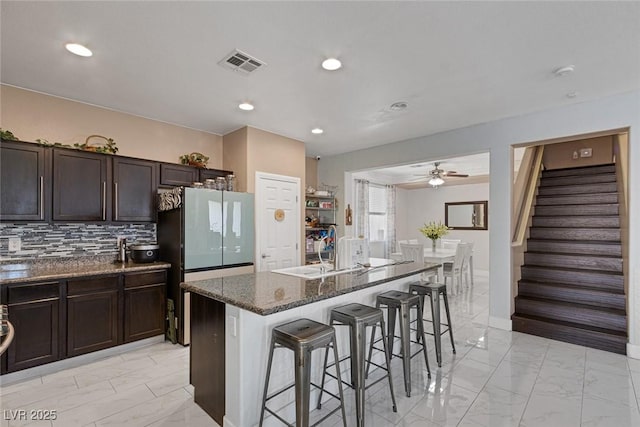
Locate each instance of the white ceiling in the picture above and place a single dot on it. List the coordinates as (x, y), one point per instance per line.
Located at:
(454, 63)
(416, 175)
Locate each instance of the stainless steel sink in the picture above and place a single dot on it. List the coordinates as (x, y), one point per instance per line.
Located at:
(314, 271)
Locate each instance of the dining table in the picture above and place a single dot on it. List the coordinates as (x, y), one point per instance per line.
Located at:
(440, 256)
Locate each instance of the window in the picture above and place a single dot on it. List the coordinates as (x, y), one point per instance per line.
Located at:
(377, 213)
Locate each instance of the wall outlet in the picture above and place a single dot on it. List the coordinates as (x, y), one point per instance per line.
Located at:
(14, 244)
(586, 152)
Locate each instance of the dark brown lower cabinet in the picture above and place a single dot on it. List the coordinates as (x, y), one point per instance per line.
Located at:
(207, 362)
(59, 319)
(93, 314)
(144, 305)
(35, 312)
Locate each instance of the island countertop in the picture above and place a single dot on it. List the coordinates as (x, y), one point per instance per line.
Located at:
(266, 293)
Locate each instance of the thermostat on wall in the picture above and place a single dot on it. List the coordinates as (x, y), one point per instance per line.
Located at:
(585, 152)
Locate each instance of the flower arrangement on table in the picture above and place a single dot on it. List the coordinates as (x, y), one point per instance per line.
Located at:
(434, 231)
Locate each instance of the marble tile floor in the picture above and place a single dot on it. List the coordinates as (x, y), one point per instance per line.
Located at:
(497, 378)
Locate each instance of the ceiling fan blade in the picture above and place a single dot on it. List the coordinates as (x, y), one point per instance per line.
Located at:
(459, 175)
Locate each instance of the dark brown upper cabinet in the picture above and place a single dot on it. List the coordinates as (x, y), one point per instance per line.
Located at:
(25, 184)
(177, 175)
(135, 185)
(212, 174)
(81, 186)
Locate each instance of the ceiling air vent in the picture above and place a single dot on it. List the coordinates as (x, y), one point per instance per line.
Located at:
(242, 62)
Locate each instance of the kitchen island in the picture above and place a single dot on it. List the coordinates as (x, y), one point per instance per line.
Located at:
(231, 322)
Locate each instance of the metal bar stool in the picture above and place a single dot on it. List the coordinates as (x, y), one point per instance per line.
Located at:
(402, 302)
(302, 336)
(357, 317)
(434, 290)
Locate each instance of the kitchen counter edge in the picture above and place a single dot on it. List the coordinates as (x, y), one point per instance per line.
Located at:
(38, 274)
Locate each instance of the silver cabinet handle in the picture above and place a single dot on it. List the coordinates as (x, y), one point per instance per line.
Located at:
(104, 200)
(116, 199)
(41, 197)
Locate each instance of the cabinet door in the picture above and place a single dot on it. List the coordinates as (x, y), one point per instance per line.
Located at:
(177, 175)
(34, 311)
(24, 183)
(144, 312)
(92, 315)
(80, 190)
(237, 228)
(134, 190)
(144, 305)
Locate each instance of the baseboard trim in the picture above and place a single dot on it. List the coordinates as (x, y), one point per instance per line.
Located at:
(227, 423)
(500, 323)
(633, 351)
(73, 362)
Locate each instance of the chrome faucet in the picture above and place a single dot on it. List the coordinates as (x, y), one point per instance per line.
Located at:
(334, 261)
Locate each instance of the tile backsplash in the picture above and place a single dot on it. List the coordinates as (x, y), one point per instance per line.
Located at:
(69, 240)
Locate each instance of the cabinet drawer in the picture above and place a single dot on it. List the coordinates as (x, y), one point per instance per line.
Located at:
(97, 284)
(133, 280)
(22, 293)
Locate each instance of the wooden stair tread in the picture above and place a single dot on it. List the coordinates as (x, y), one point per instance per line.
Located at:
(569, 287)
(577, 210)
(599, 178)
(581, 170)
(603, 339)
(580, 314)
(577, 325)
(574, 270)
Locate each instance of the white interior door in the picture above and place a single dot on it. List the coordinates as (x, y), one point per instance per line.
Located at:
(277, 221)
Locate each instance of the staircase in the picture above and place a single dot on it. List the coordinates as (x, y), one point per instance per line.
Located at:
(572, 285)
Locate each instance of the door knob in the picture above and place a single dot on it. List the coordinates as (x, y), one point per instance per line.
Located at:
(265, 256)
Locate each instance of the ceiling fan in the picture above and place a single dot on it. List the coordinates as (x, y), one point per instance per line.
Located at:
(436, 175)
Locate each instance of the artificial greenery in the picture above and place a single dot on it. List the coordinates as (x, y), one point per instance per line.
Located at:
(433, 230)
(197, 159)
(46, 143)
(8, 135)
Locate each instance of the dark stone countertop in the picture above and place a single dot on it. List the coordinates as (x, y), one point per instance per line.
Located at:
(62, 268)
(267, 292)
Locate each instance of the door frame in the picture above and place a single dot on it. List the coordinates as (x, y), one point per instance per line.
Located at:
(259, 206)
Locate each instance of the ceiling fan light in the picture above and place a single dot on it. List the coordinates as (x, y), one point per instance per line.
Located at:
(436, 181)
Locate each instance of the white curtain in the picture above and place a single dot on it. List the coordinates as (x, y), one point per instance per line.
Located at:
(362, 208)
(390, 244)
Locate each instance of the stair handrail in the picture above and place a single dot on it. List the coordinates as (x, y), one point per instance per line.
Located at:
(525, 187)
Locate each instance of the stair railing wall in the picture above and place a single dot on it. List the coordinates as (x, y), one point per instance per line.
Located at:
(525, 190)
(621, 155)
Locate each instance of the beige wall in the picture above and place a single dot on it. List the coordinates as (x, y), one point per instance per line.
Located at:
(271, 153)
(234, 157)
(32, 115)
(559, 156)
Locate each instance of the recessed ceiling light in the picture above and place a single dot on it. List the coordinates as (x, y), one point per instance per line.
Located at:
(572, 94)
(398, 106)
(563, 71)
(317, 131)
(246, 106)
(78, 49)
(331, 64)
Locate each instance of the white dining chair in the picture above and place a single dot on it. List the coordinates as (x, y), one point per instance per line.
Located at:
(449, 243)
(412, 252)
(455, 269)
(415, 252)
(413, 241)
(402, 242)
